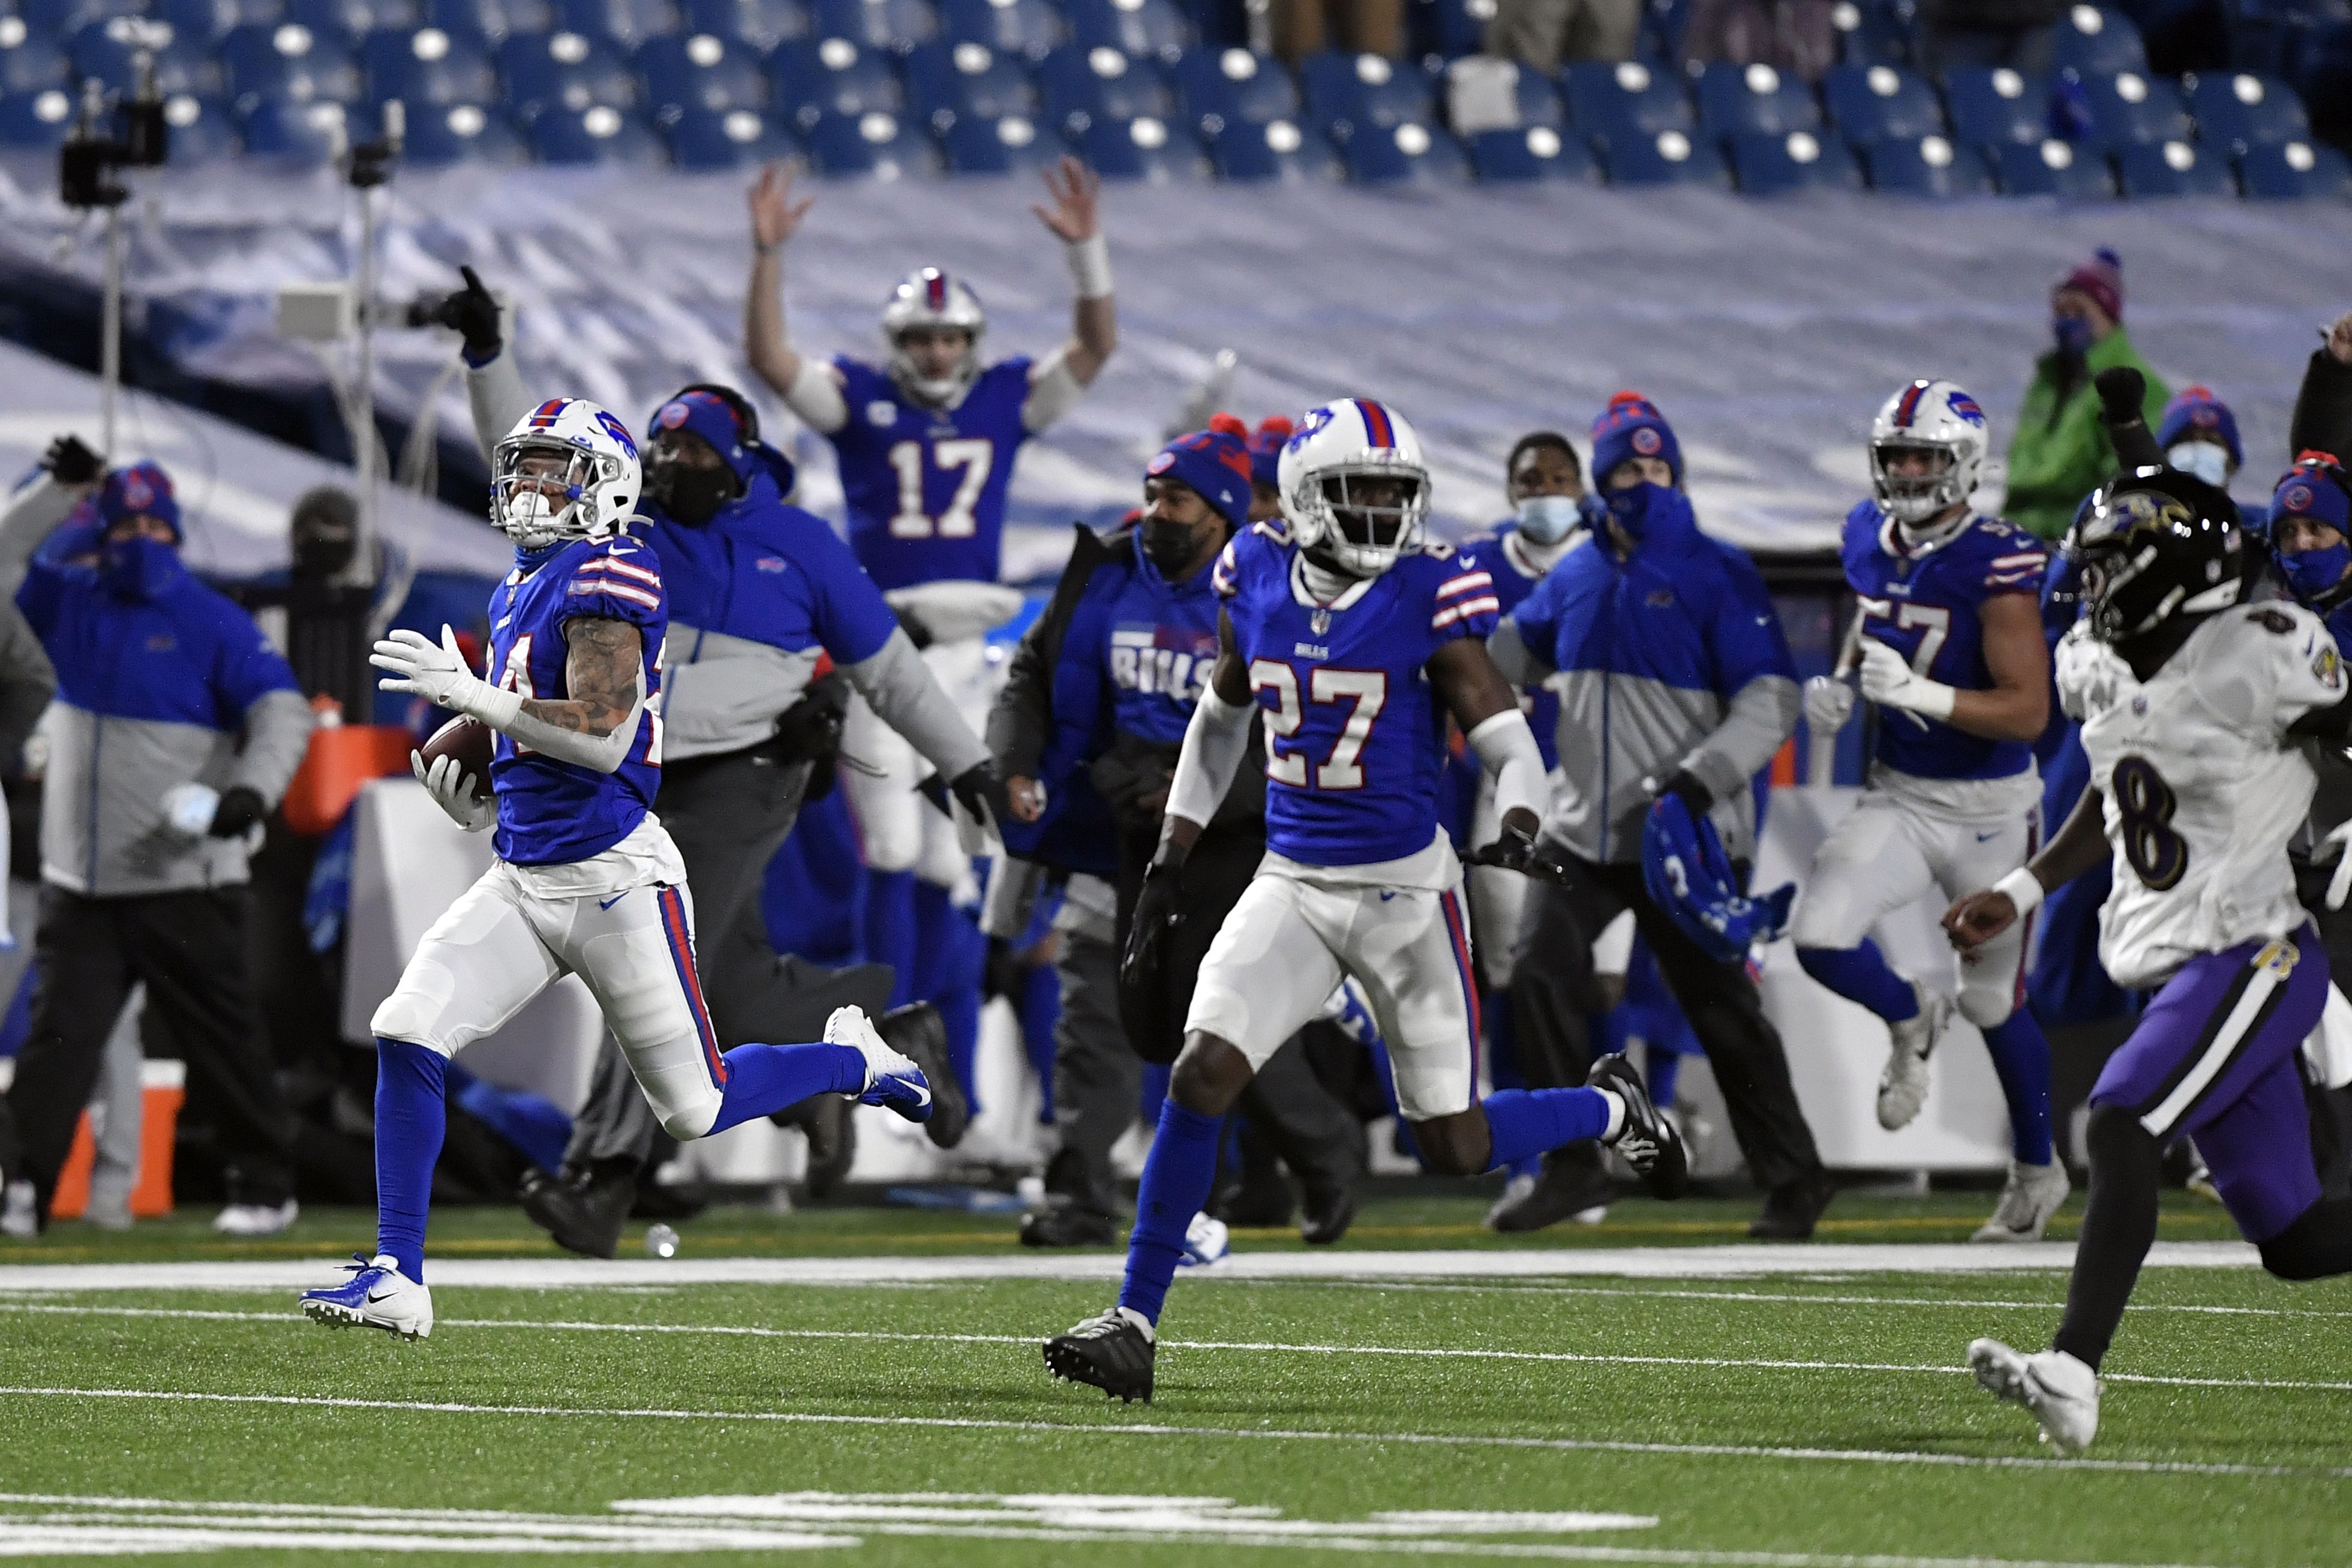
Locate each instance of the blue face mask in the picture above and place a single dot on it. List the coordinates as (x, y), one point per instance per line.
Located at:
(2072, 332)
(138, 567)
(2314, 573)
(1548, 520)
(1637, 509)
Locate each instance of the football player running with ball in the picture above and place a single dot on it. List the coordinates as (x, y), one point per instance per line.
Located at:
(1345, 631)
(2193, 708)
(1952, 651)
(586, 881)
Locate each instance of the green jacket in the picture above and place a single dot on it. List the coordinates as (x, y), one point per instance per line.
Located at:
(2053, 463)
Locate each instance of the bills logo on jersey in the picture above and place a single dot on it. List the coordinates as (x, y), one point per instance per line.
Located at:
(1162, 661)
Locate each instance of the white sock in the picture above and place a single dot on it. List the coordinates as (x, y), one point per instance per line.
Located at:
(1616, 1114)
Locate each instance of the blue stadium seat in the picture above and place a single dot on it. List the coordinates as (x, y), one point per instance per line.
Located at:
(1278, 151)
(1448, 30)
(462, 133)
(1754, 100)
(29, 63)
(762, 24)
(2097, 41)
(2296, 171)
(834, 77)
(1881, 103)
(1408, 153)
(305, 134)
(1345, 93)
(428, 66)
(1996, 108)
(1876, 32)
(564, 70)
(1155, 150)
(599, 134)
(1083, 85)
(948, 82)
(108, 49)
(706, 139)
(1630, 101)
(2174, 169)
(1795, 161)
(895, 25)
(1027, 28)
(1153, 28)
(627, 22)
(348, 19)
(62, 18)
(35, 121)
(2053, 168)
(2128, 109)
(488, 21)
(1530, 153)
(1010, 144)
(701, 71)
(289, 61)
(205, 21)
(873, 145)
(1668, 158)
(2235, 111)
(1927, 166)
(1217, 88)
(202, 128)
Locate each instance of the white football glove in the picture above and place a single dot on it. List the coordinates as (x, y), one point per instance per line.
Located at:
(1888, 680)
(452, 789)
(2335, 844)
(436, 673)
(1829, 703)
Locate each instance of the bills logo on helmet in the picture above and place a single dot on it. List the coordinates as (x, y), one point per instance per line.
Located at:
(1313, 420)
(1965, 407)
(1646, 442)
(618, 431)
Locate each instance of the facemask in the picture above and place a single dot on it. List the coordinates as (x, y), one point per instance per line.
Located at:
(1169, 546)
(137, 568)
(2204, 459)
(2312, 575)
(320, 555)
(692, 495)
(2072, 332)
(1548, 520)
(1638, 508)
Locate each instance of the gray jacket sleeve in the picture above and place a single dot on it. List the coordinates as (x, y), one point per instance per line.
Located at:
(277, 733)
(900, 688)
(1759, 719)
(27, 681)
(32, 516)
(496, 395)
(1519, 664)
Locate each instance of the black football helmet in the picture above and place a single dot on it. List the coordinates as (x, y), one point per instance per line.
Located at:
(2153, 544)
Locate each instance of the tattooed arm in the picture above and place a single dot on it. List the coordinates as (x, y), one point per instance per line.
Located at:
(603, 669)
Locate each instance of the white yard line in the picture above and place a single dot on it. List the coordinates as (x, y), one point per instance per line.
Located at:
(1548, 1287)
(1239, 1433)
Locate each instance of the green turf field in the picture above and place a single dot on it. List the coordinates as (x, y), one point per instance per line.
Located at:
(1781, 1419)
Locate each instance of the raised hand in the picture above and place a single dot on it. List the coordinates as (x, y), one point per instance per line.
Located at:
(775, 216)
(1076, 193)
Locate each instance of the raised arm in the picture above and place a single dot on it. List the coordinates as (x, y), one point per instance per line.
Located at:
(806, 385)
(1075, 218)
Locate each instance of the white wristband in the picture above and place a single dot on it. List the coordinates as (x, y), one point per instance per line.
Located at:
(1090, 267)
(2023, 889)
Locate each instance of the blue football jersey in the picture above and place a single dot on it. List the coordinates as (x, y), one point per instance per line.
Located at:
(1499, 552)
(1925, 605)
(552, 812)
(1162, 646)
(925, 487)
(1355, 740)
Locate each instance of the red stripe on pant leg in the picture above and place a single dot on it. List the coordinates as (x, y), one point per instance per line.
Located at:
(681, 952)
(1459, 932)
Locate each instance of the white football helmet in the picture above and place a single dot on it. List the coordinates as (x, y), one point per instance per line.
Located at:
(574, 443)
(1354, 485)
(932, 298)
(1939, 419)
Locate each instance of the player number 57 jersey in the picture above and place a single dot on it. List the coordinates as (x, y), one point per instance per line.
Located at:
(2203, 789)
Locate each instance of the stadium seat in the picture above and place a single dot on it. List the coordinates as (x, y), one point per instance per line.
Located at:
(428, 66)
(349, 19)
(564, 70)
(894, 24)
(201, 129)
(109, 50)
(1083, 85)
(1410, 153)
(948, 82)
(305, 134)
(873, 146)
(1880, 103)
(289, 61)
(1668, 158)
(1448, 30)
(206, 21)
(2055, 168)
(1158, 29)
(2235, 111)
(1796, 160)
(832, 77)
(1630, 101)
(598, 134)
(29, 63)
(1534, 152)
(462, 133)
(1926, 166)
(1995, 108)
(37, 120)
(2128, 109)
(1217, 88)
(1465, 88)
(1876, 32)
(1011, 144)
(1279, 150)
(60, 18)
(2097, 41)
(707, 138)
(626, 23)
(700, 71)
(1154, 150)
(487, 21)
(1754, 100)
(1345, 93)
(2296, 171)
(2174, 169)
(1027, 28)
(762, 24)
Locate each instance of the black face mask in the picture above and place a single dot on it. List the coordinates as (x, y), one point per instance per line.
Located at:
(1169, 546)
(692, 496)
(321, 555)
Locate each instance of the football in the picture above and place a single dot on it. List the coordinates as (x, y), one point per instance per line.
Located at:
(469, 740)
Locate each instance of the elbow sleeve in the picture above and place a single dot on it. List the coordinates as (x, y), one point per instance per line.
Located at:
(1215, 743)
(1507, 748)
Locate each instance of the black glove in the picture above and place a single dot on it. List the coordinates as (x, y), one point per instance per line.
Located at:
(238, 810)
(810, 731)
(474, 315)
(1693, 791)
(1516, 850)
(980, 792)
(2123, 393)
(72, 463)
(1159, 904)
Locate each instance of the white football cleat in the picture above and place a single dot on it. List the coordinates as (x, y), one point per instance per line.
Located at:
(256, 1219)
(2030, 1197)
(1205, 1241)
(2063, 1392)
(892, 1080)
(1903, 1088)
(377, 1296)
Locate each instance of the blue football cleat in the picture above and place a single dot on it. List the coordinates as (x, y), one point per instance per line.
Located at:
(377, 1296)
(892, 1081)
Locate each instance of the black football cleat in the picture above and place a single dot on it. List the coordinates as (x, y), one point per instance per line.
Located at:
(582, 1211)
(1647, 1141)
(1109, 1352)
(917, 1032)
(1067, 1225)
(1331, 1209)
(1573, 1184)
(1793, 1209)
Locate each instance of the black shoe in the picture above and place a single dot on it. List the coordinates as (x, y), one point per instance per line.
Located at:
(1648, 1142)
(1793, 1208)
(1067, 1225)
(1109, 1352)
(1572, 1182)
(583, 1211)
(1262, 1205)
(917, 1031)
(1330, 1210)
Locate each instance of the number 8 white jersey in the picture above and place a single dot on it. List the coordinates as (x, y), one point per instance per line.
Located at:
(2203, 788)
